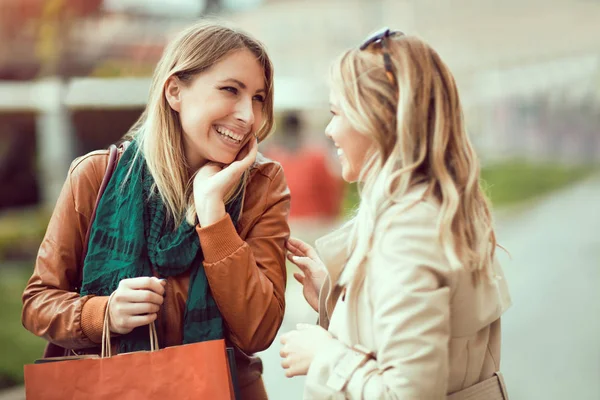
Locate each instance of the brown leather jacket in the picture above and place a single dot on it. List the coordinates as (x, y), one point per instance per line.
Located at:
(245, 269)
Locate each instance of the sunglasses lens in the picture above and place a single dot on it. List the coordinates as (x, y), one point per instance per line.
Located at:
(375, 37)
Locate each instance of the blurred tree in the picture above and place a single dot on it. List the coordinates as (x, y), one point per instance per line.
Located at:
(36, 36)
(51, 35)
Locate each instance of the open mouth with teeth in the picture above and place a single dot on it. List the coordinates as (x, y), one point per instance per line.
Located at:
(229, 135)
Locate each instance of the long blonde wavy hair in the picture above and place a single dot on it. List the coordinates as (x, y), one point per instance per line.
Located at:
(419, 134)
(158, 130)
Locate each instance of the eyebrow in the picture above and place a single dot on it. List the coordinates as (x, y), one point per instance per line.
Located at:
(241, 84)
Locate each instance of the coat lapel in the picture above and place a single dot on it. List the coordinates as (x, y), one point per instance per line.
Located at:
(333, 251)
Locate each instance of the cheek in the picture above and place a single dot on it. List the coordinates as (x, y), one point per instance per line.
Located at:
(259, 117)
(346, 138)
(356, 149)
(191, 120)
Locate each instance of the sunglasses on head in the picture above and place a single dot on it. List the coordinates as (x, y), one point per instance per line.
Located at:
(379, 41)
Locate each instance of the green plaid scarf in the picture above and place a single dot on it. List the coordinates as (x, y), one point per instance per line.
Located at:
(132, 236)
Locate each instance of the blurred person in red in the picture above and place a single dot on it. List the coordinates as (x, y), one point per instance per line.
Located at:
(315, 184)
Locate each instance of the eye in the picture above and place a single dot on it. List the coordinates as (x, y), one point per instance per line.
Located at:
(259, 97)
(332, 112)
(230, 89)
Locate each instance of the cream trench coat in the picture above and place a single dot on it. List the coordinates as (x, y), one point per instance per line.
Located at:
(416, 328)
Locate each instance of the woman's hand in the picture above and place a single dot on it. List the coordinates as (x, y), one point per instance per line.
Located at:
(299, 348)
(213, 181)
(135, 303)
(313, 271)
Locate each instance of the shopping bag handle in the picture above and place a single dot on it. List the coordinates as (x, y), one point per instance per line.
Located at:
(106, 346)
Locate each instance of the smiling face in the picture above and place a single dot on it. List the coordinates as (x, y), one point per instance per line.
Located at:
(220, 109)
(352, 146)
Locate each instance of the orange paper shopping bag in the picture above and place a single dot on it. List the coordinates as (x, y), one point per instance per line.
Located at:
(191, 371)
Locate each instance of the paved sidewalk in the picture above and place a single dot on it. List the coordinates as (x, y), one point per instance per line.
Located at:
(16, 393)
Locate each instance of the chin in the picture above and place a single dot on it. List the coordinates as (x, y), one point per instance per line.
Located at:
(349, 176)
(216, 153)
(223, 158)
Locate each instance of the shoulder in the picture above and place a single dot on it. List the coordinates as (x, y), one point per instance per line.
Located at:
(266, 189)
(85, 178)
(266, 168)
(407, 235)
(91, 165)
(266, 184)
(416, 208)
(266, 176)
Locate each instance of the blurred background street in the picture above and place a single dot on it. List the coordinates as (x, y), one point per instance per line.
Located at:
(74, 76)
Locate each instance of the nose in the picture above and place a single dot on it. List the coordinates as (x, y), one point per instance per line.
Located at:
(328, 130)
(244, 111)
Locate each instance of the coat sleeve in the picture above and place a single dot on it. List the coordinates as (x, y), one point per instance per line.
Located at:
(247, 277)
(410, 297)
(52, 308)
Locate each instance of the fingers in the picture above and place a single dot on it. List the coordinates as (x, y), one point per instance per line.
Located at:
(294, 251)
(136, 308)
(291, 367)
(134, 321)
(292, 372)
(253, 149)
(232, 172)
(304, 263)
(145, 282)
(125, 320)
(247, 155)
(121, 319)
(292, 257)
(293, 246)
(245, 149)
(283, 339)
(138, 296)
(301, 248)
(136, 302)
(286, 361)
(283, 353)
(299, 277)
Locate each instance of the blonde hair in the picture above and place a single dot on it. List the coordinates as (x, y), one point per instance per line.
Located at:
(158, 130)
(419, 135)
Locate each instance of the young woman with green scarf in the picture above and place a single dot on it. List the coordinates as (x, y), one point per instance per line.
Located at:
(190, 232)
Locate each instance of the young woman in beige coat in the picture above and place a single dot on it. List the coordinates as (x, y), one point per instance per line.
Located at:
(409, 293)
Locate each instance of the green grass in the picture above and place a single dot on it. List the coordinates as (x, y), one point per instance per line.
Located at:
(517, 181)
(511, 182)
(21, 231)
(17, 345)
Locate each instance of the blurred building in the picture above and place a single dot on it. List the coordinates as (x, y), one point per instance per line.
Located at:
(74, 74)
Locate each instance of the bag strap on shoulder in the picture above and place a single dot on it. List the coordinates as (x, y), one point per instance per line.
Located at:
(113, 160)
(110, 168)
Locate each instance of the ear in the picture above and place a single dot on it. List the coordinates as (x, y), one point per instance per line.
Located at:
(173, 93)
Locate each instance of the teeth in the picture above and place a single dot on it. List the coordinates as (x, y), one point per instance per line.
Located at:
(340, 152)
(226, 132)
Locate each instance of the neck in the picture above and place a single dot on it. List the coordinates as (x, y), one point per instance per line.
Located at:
(194, 160)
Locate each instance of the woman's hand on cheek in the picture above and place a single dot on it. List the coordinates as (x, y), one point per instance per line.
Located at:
(213, 181)
(299, 348)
